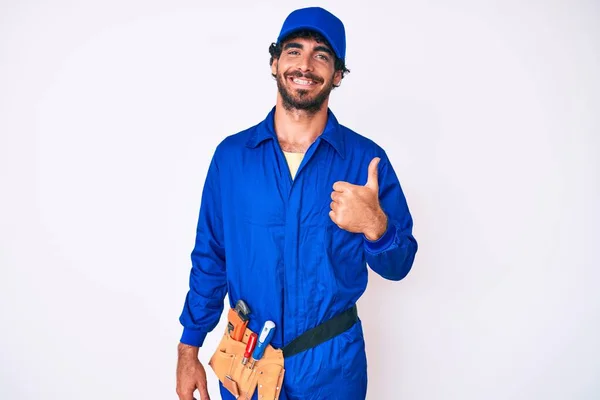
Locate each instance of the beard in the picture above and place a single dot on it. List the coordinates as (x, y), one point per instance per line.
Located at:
(299, 99)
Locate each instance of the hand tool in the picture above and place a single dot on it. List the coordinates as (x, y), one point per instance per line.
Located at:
(266, 334)
(238, 320)
(249, 347)
(242, 309)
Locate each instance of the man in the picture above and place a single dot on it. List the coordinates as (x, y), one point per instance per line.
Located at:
(293, 210)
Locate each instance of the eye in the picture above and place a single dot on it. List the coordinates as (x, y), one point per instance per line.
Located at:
(293, 52)
(324, 57)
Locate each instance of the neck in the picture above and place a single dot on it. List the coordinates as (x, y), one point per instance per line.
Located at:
(297, 129)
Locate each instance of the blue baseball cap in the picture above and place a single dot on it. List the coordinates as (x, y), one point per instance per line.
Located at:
(319, 20)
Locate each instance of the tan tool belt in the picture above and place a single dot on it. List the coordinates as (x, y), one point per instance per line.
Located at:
(242, 380)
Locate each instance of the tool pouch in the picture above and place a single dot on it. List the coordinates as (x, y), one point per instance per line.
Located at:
(242, 380)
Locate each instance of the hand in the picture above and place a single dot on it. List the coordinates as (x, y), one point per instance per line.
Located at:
(190, 374)
(356, 208)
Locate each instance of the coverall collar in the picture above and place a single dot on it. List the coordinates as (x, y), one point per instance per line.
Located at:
(332, 133)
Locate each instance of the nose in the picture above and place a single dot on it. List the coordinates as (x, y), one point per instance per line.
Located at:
(305, 62)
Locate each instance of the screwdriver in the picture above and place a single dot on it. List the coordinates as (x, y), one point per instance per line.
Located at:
(249, 347)
(266, 334)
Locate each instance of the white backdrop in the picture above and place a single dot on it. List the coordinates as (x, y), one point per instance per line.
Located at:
(110, 112)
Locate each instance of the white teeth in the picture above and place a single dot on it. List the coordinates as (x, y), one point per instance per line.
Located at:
(302, 82)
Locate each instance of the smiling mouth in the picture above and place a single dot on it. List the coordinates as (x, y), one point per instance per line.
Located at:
(303, 81)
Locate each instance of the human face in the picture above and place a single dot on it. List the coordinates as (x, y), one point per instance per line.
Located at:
(305, 74)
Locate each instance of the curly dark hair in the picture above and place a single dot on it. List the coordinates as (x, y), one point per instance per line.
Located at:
(275, 48)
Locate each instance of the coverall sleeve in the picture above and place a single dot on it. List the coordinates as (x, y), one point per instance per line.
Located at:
(392, 255)
(203, 304)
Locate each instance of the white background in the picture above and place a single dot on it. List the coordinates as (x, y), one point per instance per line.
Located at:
(110, 112)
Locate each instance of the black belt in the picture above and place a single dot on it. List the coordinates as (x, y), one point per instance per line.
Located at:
(322, 333)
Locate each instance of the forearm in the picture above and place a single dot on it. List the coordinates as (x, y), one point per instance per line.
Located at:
(186, 351)
(378, 226)
(391, 255)
(393, 251)
(204, 302)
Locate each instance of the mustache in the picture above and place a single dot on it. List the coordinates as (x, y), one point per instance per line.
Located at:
(308, 75)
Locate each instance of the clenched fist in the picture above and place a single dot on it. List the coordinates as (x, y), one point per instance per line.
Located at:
(356, 208)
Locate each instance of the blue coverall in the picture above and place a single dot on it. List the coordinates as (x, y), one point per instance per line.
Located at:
(268, 239)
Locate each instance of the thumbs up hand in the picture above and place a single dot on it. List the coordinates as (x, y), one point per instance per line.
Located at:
(356, 208)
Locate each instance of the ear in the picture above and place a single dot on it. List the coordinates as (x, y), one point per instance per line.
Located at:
(337, 78)
(274, 67)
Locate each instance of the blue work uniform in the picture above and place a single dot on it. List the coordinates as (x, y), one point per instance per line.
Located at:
(268, 239)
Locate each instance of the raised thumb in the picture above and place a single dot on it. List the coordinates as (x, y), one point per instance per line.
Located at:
(373, 180)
